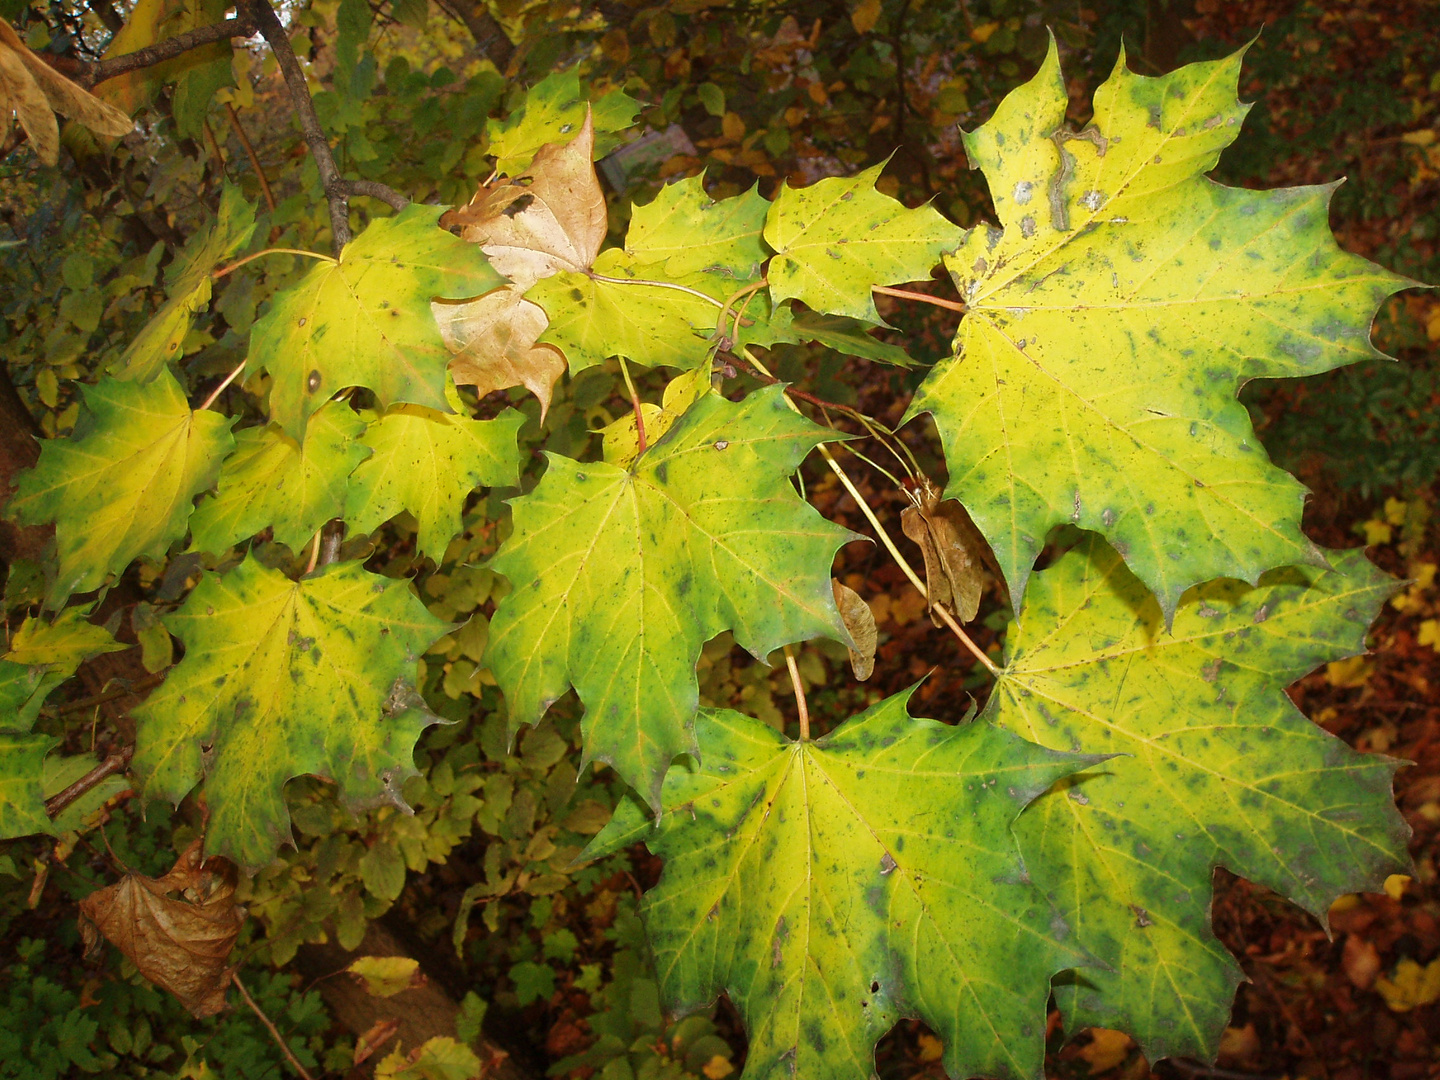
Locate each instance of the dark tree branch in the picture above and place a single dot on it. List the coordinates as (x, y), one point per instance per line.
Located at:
(242, 26)
(116, 762)
(269, 26)
(376, 190)
(488, 35)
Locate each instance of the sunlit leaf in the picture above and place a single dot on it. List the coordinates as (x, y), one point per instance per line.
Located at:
(687, 231)
(554, 109)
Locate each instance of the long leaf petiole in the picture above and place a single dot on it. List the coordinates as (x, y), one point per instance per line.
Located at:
(217, 274)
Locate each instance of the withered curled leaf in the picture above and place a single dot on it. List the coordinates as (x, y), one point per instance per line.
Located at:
(493, 341)
(181, 944)
(954, 551)
(860, 621)
(548, 219)
(34, 92)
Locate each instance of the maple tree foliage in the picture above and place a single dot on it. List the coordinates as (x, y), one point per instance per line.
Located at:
(1136, 735)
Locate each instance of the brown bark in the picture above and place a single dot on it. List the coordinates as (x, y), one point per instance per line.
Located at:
(19, 450)
(489, 36)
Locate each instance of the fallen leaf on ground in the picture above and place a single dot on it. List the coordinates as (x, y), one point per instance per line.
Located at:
(35, 91)
(1361, 961)
(1106, 1049)
(180, 945)
(379, 1033)
(1412, 985)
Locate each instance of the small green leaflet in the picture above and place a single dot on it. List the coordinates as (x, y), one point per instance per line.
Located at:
(833, 887)
(42, 655)
(271, 480)
(159, 341)
(591, 319)
(22, 795)
(122, 485)
(836, 238)
(366, 321)
(620, 575)
(1113, 318)
(554, 108)
(689, 232)
(1218, 768)
(428, 462)
(282, 678)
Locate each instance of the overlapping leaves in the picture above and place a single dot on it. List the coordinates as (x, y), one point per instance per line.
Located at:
(365, 320)
(621, 574)
(282, 678)
(1112, 318)
(833, 887)
(1218, 768)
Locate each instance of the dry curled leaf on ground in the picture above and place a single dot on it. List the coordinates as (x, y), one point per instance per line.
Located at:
(180, 944)
(34, 92)
(860, 621)
(953, 548)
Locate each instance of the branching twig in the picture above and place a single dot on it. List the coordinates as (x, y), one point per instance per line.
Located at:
(376, 190)
(116, 762)
(270, 1027)
(242, 26)
(274, 34)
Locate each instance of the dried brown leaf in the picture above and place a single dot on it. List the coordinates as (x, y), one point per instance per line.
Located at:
(860, 621)
(954, 551)
(180, 944)
(493, 339)
(35, 91)
(550, 218)
(376, 1036)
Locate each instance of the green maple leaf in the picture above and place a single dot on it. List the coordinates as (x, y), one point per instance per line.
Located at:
(1219, 769)
(619, 576)
(122, 485)
(592, 319)
(42, 655)
(1113, 317)
(428, 462)
(22, 794)
(836, 238)
(272, 480)
(834, 887)
(554, 108)
(282, 678)
(365, 320)
(687, 231)
(159, 341)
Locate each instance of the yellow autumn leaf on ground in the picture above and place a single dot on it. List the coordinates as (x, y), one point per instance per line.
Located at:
(1349, 673)
(1429, 634)
(865, 15)
(1412, 985)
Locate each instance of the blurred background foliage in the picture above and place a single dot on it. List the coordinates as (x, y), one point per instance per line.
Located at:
(533, 957)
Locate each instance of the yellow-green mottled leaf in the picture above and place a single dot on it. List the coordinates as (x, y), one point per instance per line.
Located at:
(834, 887)
(620, 575)
(1112, 318)
(22, 796)
(282, 678)
(428, 462)
(122, 485)
(554, 109)
(592, 320)
(836, 238)
(272, 480)
(385, 976)
(688, 232)
(1218, 767)
(366, 321)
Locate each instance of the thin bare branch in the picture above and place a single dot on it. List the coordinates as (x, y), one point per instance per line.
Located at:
(270, 1027)
(116, 762)
(250, 153)
(242, 26)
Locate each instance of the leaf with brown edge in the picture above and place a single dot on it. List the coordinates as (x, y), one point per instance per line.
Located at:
(550, 218)
(35, 92)
(493, 341)
(860, 621)
(179, 944)
(954, 551)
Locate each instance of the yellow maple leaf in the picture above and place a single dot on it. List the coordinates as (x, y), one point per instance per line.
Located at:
(1412, 985)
